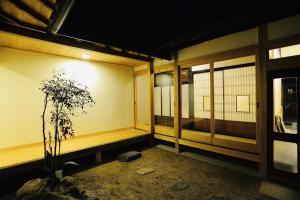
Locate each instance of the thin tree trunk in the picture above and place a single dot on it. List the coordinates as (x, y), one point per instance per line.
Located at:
(44, 125)
(56, 134)
(53, 168)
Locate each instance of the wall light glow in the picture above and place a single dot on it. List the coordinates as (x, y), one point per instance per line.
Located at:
(85, 56)
(83, 72)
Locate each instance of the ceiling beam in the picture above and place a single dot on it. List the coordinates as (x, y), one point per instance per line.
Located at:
(7, 19)
(48, 4)
(16, 21)
(42, 35)
(64, 7)
(24, 7)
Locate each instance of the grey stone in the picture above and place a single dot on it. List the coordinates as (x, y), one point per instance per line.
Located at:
(51, 196)
(181, 185)
(31, 187)
(213, 197)
(278, 191)
(144, 170)
(68, 180)
(59, 174)
(129, 156)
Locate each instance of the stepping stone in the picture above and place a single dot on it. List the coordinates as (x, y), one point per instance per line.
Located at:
(181, 185)
(278, 191)
(213, 197)
(143, 171)
(129, 156)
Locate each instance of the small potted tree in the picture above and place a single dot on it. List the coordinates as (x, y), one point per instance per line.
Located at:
(63, 98)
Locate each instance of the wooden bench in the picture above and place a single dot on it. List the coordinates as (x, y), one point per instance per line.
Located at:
(18, 158)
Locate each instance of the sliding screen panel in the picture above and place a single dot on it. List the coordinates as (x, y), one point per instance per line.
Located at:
(185, 100)
(235, 100)
(196, 105)
(142, 101)
(164, 99)
(157, 101)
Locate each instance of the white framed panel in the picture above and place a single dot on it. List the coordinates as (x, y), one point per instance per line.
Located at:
(157, 101)
(166, 108)
(185, 100)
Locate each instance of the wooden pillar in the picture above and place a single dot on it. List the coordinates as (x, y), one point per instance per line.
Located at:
(98, 158)
(151, 100)
(134, 101)
(177, 101)
(212, 102)
(261, 128)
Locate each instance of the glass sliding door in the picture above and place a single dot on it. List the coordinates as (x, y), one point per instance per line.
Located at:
(196, 103)
(283, 129)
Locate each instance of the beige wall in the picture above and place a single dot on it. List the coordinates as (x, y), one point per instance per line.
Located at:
(21, 101)
(284, 28)
(225, 43)
(278, 29)
(228, 42)
(160, 62)
(142, 99)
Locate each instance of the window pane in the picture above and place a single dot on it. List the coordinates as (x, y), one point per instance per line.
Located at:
(285, 156)
(235, 101)
(293, 50)
(164, 99)
(196, 98)
(285, 105)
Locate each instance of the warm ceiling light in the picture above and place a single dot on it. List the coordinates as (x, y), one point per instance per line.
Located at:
(85, 56)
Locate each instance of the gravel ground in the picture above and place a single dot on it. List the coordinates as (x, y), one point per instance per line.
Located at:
(172, 176)
(197, 180)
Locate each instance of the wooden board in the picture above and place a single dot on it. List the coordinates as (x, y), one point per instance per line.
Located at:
(196, 136)
(163, 68)
(15, 156)
(165, 138)
(220, 150)
(15, 41)
(164, 130)
(243, 144)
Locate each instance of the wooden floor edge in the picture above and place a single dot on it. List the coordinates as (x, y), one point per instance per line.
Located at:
(221, 150)
(164, 137)
(212, 148)
(74, 152)
(12, 148)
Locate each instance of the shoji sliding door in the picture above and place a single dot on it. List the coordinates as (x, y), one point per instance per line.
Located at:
(142, 105)
(164, 103)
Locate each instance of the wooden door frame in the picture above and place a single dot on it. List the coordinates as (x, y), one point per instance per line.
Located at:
(270, 133)
(138, 71)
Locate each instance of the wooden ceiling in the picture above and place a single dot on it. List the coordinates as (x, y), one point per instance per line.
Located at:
(37, 18)
(15, 41)
(30, 13)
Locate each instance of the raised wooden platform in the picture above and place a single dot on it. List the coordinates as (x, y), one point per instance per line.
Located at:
(20, 155)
